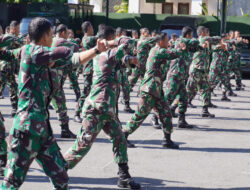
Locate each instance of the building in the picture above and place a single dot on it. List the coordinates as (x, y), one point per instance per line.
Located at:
(188, 7)
(239, 8)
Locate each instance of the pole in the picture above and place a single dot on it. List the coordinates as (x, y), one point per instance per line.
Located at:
(223, 16)
(107, 12)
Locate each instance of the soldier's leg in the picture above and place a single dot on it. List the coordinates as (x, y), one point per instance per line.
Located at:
(134, 77)
(87, 82)
(11, 82)
(238, 77)
(2, 83)
(3, 145)
(171, 92)
(74, 83)
(126, 91)
(191, 86)
(91, 126)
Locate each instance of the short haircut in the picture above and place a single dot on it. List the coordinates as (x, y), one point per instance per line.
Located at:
(106, 32)
(161, 36)
(13, 24)
(231, 31)
(7, 28)
(186, 31)
(134, 32)
(223, 35)
(38, 27)
(174, 35)
(85, 26)
(61, 28)
(201, 29)
(154, 32)
(119, 31)
(100, 27)
(144, 30)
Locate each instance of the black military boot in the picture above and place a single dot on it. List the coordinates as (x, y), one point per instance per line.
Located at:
(168, 143)
(239, 86)
(129, 144)
(231, 93)
(77, 118)
(225, 98)
(154, 122)
(212, 93)
(205, 112)
(190, 104)
(125, 180)
(210, 105)
(66, 133)
(173, 108)
(127, 108)
(78, 94)
(3, 162)
(182, 122)
(1, 96)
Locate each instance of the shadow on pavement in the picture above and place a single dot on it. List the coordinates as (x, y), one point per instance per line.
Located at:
(217, 150)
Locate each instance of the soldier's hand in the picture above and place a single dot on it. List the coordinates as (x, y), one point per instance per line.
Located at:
(51, 64)
(205, 45)
(102, 45)
(183, 46)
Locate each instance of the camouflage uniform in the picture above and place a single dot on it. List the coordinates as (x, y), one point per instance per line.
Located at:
(59, 73)
(88, 43)
(176, 77)
(152, 95)
(31, 136)
(3, 143)
(198, 74)
(9, 69)
(100, 107)
(143, 47)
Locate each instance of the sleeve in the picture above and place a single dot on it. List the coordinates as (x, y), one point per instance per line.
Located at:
(10, 55)
(169, 54)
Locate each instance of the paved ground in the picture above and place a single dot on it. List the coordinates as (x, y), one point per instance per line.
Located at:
(214, 155)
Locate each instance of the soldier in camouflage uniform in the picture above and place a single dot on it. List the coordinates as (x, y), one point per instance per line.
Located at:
(88, 42)
(151, 94)
(3, 146)
(31, 136)
(99, 110)
(143, 47)
(123, 77)
(198, 74)
(59, 74)
(8, 69)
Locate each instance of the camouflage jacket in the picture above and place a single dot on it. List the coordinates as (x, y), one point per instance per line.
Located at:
(14, 43)
(155, 72)
(103, 94)
(89, 42)
(200, 57)
(35, 85)
(178, 67)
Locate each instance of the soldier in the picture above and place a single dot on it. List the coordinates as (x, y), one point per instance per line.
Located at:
(7, 30)
(198, 74)
(151, 94)
(31, 136)
(3, 146)
(8, 69)
(176, 77)
(59, 74)
(99, 110)
(120, 37)
(88, 42)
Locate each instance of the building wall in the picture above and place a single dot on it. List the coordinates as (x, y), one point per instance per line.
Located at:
(153, 8)
(235, 8)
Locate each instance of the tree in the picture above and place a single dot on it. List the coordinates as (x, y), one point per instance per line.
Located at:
(122, 8)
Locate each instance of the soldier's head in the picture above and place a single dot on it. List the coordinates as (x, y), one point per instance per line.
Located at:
(87, 28)
(201, 31)
(120, 32)
(144, 32)
(15, 27)
(135, 34)
(187, 32)
(162, 40)
(107, 33)
(70, 33)
(223, 37)
(41, 32)
(7, 30)
(231, 34)
(62, 31)
(153, 33)
(207, 32)
(237, 34)
(1, 30)
(174, 37)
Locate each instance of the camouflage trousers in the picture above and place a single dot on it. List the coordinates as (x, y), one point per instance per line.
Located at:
(146, 103)
(125, 85)
(135, 75)
(87, 82)
(93, 122)
(176, 88)
(73, 80)
(9, 79)
(24, 148)
(235, 68)
(217, 75)
(3, 143)
(59, 100)
(198, 80)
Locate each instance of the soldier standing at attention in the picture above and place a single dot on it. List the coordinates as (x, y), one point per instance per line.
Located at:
(31, 136)
(99, 111)
(88, 42)
(151, 95)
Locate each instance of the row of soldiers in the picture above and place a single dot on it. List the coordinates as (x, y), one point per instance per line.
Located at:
(112, 62)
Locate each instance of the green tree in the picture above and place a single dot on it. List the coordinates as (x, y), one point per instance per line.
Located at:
(122, 8)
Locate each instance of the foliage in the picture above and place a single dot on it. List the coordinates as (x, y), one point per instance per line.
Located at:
(122, 8)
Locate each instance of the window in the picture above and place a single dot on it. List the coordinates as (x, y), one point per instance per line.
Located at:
(183, 8)
(167, 8)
